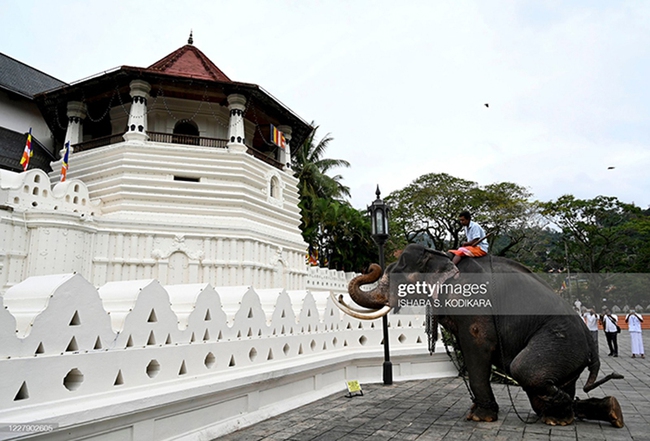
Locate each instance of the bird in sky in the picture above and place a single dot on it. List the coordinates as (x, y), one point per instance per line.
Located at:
(611, 168)
(486, 105)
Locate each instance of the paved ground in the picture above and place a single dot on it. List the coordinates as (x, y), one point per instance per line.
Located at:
(431, 410)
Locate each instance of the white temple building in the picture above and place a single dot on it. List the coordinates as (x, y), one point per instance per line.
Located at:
(172, 176)
(160, 292)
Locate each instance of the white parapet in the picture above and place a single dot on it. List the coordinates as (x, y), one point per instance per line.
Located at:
(136, 360)
(323, 279)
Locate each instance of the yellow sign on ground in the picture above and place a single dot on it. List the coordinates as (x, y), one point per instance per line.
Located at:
(353, 386)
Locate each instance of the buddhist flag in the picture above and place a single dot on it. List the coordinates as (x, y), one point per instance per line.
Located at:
(277, 137)
(312, 256)
(64, 164)
(27, 153)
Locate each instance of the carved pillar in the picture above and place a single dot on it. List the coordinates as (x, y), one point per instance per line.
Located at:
(236, 134)
(74, 133)
(285, 155)
(137, 126)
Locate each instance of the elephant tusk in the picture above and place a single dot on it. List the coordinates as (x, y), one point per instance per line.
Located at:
(360, 311)
(357, 313)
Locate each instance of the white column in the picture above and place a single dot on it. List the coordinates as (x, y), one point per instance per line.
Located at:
(74, 133)
(285, 155)
(236, 134)
(137, 126)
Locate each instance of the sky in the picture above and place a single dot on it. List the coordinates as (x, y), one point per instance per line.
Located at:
(401, 86)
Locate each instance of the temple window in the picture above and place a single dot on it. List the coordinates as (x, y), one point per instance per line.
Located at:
(186, 132)
(275, 187)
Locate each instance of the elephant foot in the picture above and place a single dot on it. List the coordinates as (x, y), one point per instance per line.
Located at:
(557, 411)
(601, 409)
(555, 421)
(487, 414)
(615, 413)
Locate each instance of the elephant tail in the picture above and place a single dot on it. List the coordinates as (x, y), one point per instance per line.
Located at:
(592, 384)
(593, 368)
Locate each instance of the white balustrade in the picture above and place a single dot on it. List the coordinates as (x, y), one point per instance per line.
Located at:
(92, 359)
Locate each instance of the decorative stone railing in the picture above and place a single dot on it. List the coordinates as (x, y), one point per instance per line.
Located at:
(98, 142)
(135, 359)
(324, 279)
(172, 138)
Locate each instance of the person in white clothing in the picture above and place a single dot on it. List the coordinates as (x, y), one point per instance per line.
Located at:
(633, 321)
(591, 320)
(610, 323)
(476, 245)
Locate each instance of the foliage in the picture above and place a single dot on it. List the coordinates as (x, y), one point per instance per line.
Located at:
(592, 238)
(311, 167)
(504, 210)
(596, 231)
(339, 233)
(426, 211)
(533, 245)
(599, 237)
(342, 236)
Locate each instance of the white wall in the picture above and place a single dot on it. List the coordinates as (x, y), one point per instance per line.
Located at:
(133, 359)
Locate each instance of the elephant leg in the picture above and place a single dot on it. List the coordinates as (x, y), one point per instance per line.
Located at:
(539, 375)
(601, 409)
(477, 342)
(552, 404)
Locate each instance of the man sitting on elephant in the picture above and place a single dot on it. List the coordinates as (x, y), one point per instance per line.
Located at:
(476, 245)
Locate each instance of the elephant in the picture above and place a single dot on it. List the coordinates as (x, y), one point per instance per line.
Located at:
(521, 326)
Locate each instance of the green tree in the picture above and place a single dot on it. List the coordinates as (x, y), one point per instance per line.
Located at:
(533, 246)
(329, 224)
(504, 210)
(596, 231)
(343, 236)
(600, 237)
(427, 210)
(311, 167)
(315, 187)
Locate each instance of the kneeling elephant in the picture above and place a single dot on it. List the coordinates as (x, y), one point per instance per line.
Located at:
(520, 326)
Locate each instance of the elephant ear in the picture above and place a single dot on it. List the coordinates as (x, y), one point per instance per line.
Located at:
(474, 265)
(435, 261)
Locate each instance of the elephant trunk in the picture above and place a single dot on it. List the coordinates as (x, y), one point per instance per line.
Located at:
(373, 299)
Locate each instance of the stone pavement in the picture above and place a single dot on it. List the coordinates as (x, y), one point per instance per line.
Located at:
(431, 410)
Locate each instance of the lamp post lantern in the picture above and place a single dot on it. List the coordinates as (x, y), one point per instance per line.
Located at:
(379, 219)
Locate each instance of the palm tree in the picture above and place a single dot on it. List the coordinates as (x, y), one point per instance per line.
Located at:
(317, 189)
(311, 169)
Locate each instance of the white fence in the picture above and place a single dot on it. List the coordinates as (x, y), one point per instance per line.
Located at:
(136, 360)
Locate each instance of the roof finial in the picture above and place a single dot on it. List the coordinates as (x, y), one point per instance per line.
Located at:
(190, 40)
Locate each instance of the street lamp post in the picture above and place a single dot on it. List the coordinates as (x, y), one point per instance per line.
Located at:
(379, 218)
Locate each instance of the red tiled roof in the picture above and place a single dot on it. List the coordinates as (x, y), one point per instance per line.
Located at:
(188, 61)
